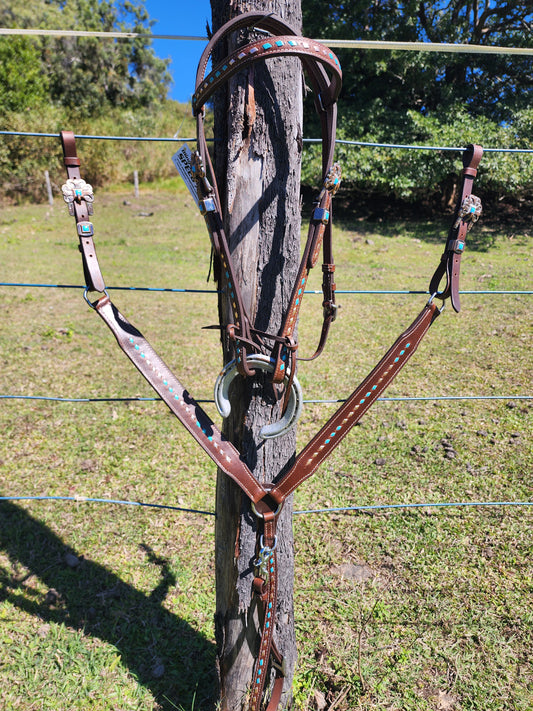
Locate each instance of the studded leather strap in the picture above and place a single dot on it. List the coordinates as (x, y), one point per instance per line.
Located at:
(178, 399)
(359, 402)
(79, 200)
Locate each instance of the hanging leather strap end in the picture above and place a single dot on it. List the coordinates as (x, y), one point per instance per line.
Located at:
(68, 142)
(328, 289)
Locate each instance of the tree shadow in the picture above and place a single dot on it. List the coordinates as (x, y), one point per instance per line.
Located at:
(163, 652)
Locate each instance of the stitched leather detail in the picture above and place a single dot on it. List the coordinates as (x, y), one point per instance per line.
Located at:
(177, 398)
(275, 46)
(338, 426)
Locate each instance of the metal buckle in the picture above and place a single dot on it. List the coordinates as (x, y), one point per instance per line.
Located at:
(197, 166)
(469, 212)
(280, 666)
(320, 214)
(264, 561)
(333, 178)
(330, 309)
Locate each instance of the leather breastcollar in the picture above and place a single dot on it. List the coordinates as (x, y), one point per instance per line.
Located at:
(267, 500)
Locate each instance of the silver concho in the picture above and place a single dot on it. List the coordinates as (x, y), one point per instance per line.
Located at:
(469, 212)
(76, 190)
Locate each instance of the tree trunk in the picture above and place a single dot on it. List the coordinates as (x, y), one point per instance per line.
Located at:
(258, 127)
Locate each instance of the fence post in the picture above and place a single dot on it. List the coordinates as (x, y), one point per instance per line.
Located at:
(136, 183)
(258, 173)
(48, 187)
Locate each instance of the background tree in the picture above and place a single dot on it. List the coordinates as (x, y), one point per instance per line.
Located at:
(87, 75)
(22, 85)
(435, 98)
(91, 85)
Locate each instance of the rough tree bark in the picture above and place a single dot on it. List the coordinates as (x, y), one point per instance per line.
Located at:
(258, 126)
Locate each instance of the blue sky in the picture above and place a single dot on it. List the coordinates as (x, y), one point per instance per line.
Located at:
(180, 17)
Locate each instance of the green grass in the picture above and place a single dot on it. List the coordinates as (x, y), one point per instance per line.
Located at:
(395, 609)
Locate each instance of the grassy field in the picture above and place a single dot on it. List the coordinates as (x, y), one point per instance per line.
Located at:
(111, 607)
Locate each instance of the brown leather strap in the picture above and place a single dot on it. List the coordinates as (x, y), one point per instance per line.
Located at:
(338, 426)
(280, 45)
(79, 200)
(266, 590)
(150, 364)
(178, 399)
(450, 263)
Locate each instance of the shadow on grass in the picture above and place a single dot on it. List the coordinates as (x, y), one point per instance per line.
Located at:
(163, 652)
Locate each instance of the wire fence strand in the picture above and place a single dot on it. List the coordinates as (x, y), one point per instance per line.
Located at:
(339, 141)
(312, 292)
(330, 510)
(390, 45)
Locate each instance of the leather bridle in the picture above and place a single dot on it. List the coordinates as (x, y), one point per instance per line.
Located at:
(267, 499)
(317, 60)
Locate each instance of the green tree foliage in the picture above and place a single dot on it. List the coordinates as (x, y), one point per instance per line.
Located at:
(89, 85)
(90, 75)
(429, 98)
(22, 85)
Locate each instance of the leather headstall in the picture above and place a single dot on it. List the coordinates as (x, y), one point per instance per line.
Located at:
(323, 70)
(267, 499)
